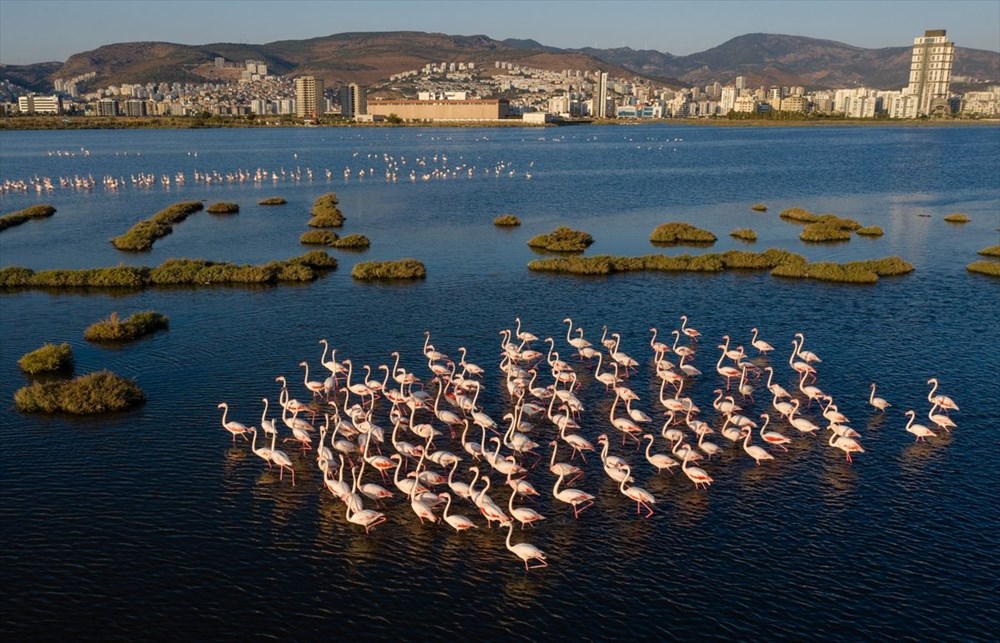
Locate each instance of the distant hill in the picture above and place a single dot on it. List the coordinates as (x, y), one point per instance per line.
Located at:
(773, 59)
(371, 57)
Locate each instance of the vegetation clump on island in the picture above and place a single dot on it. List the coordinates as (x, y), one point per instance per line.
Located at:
(49, 358)
(100, 392)
(781, 263)
(40, 211)
(172, 272)
(992, 251)
(822, 232)
(562, 239)
(389, 270)
(273, 200)
(758, 207)
(318, 237)
(352, 242)
(223, 207)
(506, 221)
(798, 215)
(985, 267)
(679, 232)
(958, 217)
(325, 213)
(745, 234)
(115, 329)
(870, 231)
(142, 235)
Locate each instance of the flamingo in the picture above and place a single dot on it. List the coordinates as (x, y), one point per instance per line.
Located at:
(579, 343)
(459, 523)
(880, 403)
(761, 346)
(802, 424)
(690, 332)
(367, 518)
(338, 487)
(811, 392)
(524, 336)
(573, 497)
(525, 551)
(918, 430)
(335, 367)
(777, 390)
(562, 468)
(708, 448)
(266, 424)
(323, 452)
(940, 419)
(312, 385)
(264, 453)
(943, 401)
(460, 489)
(697, 475)
(659, 460)
(808, 356)
(641, 497)
(490, 510)
(845, 444)
(605, 378)
(772, 437)
(525, 515)
(727, 372)
(624, 424)
(681, 351)
(299, 432)
(659, 348)
(234, 427)
(802, 368)
(421, 508)
(754, 451)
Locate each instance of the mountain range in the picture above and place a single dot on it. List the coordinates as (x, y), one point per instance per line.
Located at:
(370, 58)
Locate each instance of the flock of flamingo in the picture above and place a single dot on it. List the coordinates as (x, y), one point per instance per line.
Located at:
(428, 418)
(391, 168)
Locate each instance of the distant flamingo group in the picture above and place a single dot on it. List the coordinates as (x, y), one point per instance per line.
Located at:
(429, 417)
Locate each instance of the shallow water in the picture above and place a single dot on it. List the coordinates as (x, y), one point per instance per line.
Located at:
(128, 525)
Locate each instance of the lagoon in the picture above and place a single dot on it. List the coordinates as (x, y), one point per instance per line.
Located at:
(133, 524)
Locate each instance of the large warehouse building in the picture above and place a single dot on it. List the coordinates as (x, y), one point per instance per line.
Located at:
(441, 110)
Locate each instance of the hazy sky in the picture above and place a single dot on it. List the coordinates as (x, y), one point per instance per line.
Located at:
(49, 30)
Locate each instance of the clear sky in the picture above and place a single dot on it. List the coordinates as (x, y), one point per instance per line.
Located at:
(52, 30)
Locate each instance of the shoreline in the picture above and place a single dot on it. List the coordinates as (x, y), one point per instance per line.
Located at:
(62, 123)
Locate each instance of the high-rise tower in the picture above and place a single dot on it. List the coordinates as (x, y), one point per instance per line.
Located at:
(601, 95)
(309, 101)
(353, 100)
(930, 70)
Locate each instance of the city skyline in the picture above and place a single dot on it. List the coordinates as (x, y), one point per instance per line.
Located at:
(678, 28)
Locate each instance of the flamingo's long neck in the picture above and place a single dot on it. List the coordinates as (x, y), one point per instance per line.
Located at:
(770, 374)
(621, 486)
(569, 330)
(795, 351)
(908, 424)
(225, 411)
(934, 386)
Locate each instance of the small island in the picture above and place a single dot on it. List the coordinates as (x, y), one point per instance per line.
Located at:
(325, 213)
(562, 239)
(50, 358)
(273, 200)
(93, 394)
(676, 232)
(115, 329)
(142, 235)
(223, 207)
(402, 269)
(41, 211)
(506, 221)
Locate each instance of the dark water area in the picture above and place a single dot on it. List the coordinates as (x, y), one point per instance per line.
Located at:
(152, 521)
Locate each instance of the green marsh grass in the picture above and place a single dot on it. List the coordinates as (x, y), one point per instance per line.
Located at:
(115, 329)
(40, 211)
(142, 235)
(223, 207)
(506, 220)
(49, 358)
(96, 393)
(389, 270)
(679, 232)
(562, 239)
